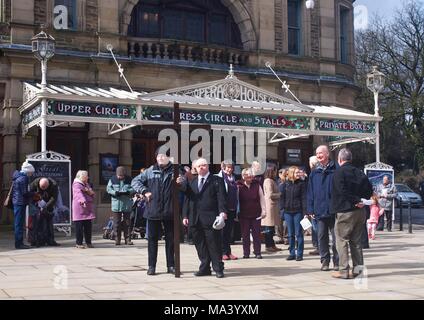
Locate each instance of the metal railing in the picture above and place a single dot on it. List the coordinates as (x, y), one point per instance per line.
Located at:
(188, 51)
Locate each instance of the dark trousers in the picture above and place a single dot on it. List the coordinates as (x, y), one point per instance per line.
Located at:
(227, 232)
(155, 232)
(269, 236)
(248, 225)
(348, 229)
(314, 223)
(208, 244)
(121, 222)
(380, 225)
(388, 215)
(295, 233)
(19, 221)
(326, 226)
(43, 229)
(83, 229)
(365, 240)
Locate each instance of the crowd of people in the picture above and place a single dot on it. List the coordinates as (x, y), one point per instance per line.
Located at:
(333, 198)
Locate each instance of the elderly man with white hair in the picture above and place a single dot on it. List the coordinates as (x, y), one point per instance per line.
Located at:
(318, 202)
(46, 190)
(206, 201)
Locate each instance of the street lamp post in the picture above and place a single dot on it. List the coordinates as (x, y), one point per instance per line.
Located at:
(375, 83)
(43, 48)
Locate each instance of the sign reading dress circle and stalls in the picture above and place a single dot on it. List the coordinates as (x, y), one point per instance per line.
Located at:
(59, 171)
(228, 118)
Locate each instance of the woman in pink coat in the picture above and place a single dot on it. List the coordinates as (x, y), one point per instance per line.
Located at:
(82, 208)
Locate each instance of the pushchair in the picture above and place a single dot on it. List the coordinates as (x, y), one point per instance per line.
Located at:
(138, 223)
(108, 230)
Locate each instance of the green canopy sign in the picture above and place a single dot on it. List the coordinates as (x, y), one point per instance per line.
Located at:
(31, 115)
(228, 118)
(344, 125)
(91, 110)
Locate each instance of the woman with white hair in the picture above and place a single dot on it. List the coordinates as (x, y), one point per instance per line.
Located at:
(82, 209)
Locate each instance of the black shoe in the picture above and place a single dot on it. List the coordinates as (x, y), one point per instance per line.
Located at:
(390, 230)
(291, 258)
(220, 274)
(299, 258)
(23, 246)
(336, 267)
(202, 273)
(53, 244)
(151, 271)
(258, 256)
(171, 270)
(246, 257)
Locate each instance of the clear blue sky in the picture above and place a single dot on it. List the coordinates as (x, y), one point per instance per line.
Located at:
(384, 8)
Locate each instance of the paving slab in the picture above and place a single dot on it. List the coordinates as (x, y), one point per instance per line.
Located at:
(395, 270)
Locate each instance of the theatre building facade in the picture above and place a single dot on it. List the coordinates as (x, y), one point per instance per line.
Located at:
(164, 47)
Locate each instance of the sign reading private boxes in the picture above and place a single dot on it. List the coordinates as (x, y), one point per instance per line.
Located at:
(92, 110)
(229, 118)
(345, 125)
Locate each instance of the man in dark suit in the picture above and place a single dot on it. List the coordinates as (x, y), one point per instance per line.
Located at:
(206, 201)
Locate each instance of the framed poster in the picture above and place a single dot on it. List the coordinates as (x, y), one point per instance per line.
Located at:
(376, 177)
(58, 169)
(376, 173)
(107, 168)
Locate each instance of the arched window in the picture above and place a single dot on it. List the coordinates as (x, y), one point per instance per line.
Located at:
(205, 21)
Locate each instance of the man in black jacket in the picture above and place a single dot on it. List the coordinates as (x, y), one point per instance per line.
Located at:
(155, 184)
(349, 186)
(206, 200)
(46, 191)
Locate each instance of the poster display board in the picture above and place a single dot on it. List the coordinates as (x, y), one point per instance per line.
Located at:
(58, 168)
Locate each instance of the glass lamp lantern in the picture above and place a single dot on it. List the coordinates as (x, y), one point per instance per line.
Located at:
(43, 46)
(375, 80)
(310, 4)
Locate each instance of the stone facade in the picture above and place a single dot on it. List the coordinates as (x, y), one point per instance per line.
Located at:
(316, 76)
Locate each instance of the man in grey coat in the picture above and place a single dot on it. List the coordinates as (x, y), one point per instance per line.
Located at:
(387, 193)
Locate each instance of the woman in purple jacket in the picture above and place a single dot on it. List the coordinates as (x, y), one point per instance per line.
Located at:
(82, 208)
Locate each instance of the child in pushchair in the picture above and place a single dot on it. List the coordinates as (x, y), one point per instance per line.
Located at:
(108, 230)
(138, 223)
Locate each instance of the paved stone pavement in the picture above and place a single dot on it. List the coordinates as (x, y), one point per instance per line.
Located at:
(395, 267)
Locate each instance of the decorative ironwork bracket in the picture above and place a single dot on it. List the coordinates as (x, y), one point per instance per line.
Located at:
(116, 127)
(277, 137)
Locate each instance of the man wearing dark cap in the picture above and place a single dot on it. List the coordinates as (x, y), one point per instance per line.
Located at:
(119, 187)
(155, 184)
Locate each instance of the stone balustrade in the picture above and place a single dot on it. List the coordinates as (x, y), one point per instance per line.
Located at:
(188, 51)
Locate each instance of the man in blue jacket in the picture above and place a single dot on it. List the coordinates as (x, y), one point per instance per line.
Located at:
(318, 202)
(20, 199)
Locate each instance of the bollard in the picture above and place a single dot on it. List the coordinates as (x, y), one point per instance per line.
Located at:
(400, 215)
(409, 217)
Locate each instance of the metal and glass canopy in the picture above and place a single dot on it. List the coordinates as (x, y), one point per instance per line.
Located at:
(223, 104)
